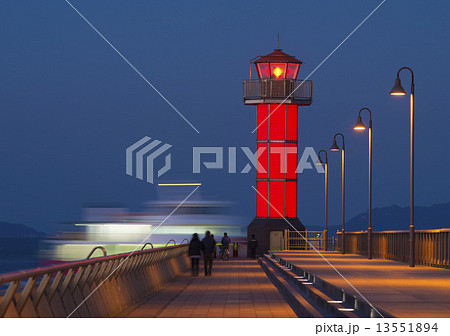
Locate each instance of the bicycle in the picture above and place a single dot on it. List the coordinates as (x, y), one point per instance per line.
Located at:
(224, 253)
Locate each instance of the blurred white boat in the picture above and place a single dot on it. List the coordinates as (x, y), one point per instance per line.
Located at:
(119, 231)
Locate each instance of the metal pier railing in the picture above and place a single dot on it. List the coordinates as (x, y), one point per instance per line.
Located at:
(103, 286)
(432, 246)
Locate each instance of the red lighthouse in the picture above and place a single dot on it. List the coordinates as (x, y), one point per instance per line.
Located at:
(277, 94)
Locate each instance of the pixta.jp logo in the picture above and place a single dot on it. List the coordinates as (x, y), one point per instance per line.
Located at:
(143, 153)
(283, 160)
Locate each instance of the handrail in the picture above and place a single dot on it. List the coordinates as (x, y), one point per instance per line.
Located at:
(39, 271)
(174, 242)
(30, 292)
(432, 246)
(401, 231)
(94, 249)
(187, 241)
(146, 245)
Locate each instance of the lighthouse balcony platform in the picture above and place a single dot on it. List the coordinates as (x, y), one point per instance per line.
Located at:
(289, 91)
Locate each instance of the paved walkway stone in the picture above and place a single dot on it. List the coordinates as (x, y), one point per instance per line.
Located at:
(395, 287)
(237, 288)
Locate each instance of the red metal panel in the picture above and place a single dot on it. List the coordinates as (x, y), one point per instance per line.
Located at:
(261, 203)
(291, 199)
(263, 122)
(276, 199)
(262, 163)
(276, 170)
(291, 126)
(281, 124)
(277, 121)
(291, 161)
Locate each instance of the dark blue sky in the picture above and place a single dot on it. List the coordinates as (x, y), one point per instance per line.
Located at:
(70, 105)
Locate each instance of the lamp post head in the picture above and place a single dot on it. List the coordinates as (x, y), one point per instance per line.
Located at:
(398, 89)
(334, 147)
(319, 161)
(359, 125)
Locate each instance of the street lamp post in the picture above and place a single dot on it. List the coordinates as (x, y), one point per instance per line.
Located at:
(360, 126)
(398, 90)
(320, 162)
(334, 148)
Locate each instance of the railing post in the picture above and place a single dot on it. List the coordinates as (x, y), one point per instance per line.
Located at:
(447, 249)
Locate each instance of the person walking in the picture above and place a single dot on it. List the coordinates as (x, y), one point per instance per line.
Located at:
(215, 244)
(252, 245)
(225, 252)
(195, 247)
(208, 246)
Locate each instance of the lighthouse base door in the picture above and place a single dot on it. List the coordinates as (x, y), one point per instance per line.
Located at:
(276, 240)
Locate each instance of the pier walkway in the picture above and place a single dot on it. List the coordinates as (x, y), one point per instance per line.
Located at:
(154, 283)
(396, 288)
(237, 288)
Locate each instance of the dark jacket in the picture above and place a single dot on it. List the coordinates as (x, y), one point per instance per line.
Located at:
(195, 247)
(226, 241)
(252, 243)
(208, 245)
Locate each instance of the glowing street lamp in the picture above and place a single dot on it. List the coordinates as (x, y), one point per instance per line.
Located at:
(320, 162)
(359, 126)
(335, 148)
(398, 90)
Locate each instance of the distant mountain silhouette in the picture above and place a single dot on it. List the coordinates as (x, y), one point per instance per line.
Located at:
(9, 230)
(394, 217)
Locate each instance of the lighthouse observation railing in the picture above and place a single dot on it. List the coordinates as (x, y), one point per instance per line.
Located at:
(261, 90)
(432, 246)
(99, 287)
